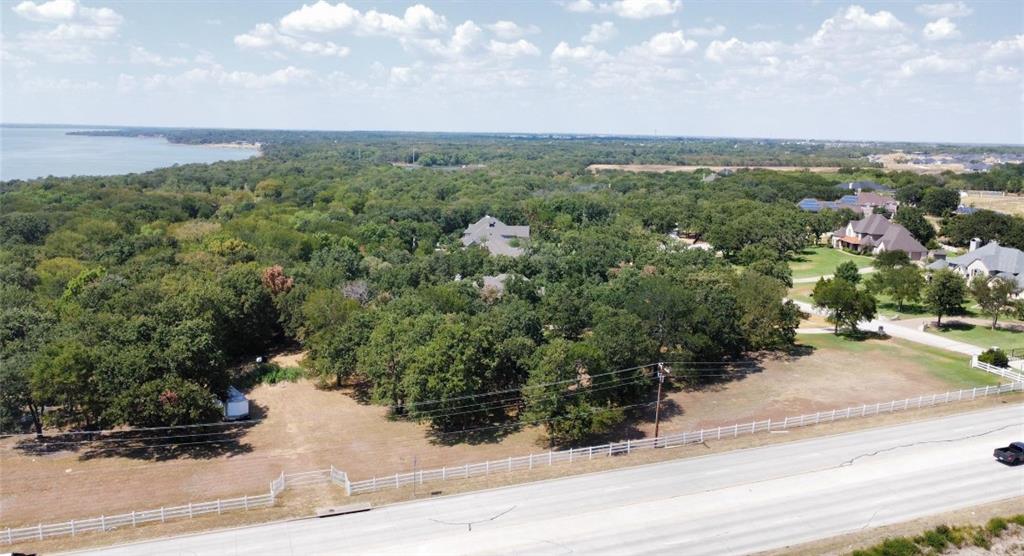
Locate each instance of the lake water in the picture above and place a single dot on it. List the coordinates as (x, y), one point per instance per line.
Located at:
(33, 152)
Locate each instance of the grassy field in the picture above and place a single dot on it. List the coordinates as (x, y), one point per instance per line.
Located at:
(302, 428)
(1009, 204)
(980, 334)
(819, 261)
(951, 368)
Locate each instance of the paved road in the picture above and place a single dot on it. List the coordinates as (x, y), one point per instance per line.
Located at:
(732, 503)
(814, 279)
(894, 329)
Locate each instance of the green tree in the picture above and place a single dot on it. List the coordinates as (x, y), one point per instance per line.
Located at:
(767, 321)
(63, 376)
(891, 259)
(994, 296)
(846, 304)
(912, 218)
(171, 401)
(940, 201)
(901, 283)
(847, 270)
(945, 294)
(333, 351)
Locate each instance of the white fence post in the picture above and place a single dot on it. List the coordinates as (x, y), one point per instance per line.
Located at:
(40, 531)
(163, 518)
(72, 527)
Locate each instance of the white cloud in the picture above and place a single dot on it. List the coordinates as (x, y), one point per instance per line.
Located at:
(600, 32)
(715, 31)
(998, 74)
(509, 30)
(139, 55)
(941, 29)
(642, 9)
(79, 32)
(323, 17)
(932, 63)
(466, 39)
(665, 45)
(15, 61)
(580, 6)
(215, 76)
(1006, 48)
(578, 54)
(55, 10)
(856, 18)
(522, 47)
(948, 9)
(61, 85)
(735, 49)
(264, 36)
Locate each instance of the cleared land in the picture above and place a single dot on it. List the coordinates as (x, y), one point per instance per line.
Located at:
(821, 261)
(662, 168)
(1009, 204)
(305, 428)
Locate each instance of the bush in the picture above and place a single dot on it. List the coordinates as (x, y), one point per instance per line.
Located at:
(996, 526)
(897, 546)
(935, 539)
(270, 373)
(995, 357)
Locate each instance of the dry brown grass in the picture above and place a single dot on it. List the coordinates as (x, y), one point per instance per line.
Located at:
(305, 428)
(1009, 204)
(302, 502)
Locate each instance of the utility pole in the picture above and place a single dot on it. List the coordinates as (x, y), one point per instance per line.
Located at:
(662, 373)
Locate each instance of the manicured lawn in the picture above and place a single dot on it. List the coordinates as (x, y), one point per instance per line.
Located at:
(981, 335)
(819, 261)
(801, 292)
(901, 356)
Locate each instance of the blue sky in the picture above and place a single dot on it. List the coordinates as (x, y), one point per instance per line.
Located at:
(932, 71)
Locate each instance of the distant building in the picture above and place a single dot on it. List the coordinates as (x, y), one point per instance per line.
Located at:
(992, 260)
(863, 202)
(858, 186)
(496, 236)
(876, 234)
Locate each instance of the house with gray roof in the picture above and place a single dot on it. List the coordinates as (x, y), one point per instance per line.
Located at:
(876, 234)
(864, 202)
(496, 236)
(992, 261)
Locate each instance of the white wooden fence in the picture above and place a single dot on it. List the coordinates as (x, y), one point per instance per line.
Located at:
(998, 371)
(133, 519)
(575, 455)
(505, 465)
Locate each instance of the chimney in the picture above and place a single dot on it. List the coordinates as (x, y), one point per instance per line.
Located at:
(975, 243)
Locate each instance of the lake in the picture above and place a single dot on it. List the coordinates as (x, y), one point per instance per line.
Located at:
(34, 152)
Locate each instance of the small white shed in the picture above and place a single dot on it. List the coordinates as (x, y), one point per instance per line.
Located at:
(236, 406)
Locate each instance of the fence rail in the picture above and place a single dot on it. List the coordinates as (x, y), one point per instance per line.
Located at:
(998, 371)
(589, 453)
(573, 455)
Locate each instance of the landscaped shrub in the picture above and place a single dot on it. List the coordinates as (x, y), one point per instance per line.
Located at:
(896, 546)
(994, 356)
(943, 538)
(996, 526)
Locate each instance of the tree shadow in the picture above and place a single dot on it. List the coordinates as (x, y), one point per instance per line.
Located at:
(199, 442)
(491, 431)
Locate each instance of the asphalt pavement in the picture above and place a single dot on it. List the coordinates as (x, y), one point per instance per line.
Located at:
(736, 502)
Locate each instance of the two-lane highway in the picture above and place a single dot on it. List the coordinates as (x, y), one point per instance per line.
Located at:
(732, 503)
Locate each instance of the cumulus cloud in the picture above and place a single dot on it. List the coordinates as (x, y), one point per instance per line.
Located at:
(61, 85)
(215, 76)
(56, 10)
(1006, 48)
(941, 29)
(948, 9)
(642, 9)
(466, 39)
(521, 47)
(630, 9)
(580, 6)
(997, 74)
(600, 32)
(563, 52)
(734, 49)
(666, 45)
(323, 17)
(508, 30)
(139, 55)
(932, 63)
(856, 18)
(265, 36)
(714, 31)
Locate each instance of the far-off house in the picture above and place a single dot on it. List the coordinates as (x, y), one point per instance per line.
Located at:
(496, 236)
(990, 261)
